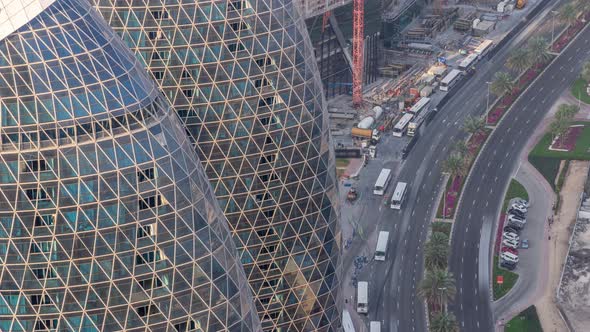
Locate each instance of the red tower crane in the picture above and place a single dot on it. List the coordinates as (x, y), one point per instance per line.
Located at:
(358, 39)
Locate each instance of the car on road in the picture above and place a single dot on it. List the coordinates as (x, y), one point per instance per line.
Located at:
(517, 213)
(508, 265)
(524, 244)
(510, 257)
(510, 236)
(510, 250)
(510, 243)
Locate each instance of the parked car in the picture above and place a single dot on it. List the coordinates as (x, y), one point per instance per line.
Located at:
(519, 207)
(511, 250)
(511, 229)
(513, 218)
(510, 257)
(510, 236)
(524, 244)
(523, 202)
(508, 265)
(517, 213)
(510, 243)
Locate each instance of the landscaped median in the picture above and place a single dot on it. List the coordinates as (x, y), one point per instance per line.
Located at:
(437, 287)
(564, 142)
(458, 166)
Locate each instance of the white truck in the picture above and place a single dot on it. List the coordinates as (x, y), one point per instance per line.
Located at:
(362, 297)
(381, 249)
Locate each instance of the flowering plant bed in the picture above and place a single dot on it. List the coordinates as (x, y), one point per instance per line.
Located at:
(567, 36)
(506, 101)
(499, 231)
(454, 185)
(568, 141)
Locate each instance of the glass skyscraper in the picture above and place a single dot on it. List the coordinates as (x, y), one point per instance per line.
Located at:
(107, 219)
(241, 76)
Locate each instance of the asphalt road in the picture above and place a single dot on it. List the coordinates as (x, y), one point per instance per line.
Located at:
(393, 299)
(484, 190)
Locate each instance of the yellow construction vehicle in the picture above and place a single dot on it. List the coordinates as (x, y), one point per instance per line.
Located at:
(520, 4)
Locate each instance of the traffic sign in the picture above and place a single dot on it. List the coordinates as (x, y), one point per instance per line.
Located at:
(500, 280)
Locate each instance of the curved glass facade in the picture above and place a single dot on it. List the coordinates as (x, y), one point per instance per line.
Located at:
(241, 75)
(107, 222)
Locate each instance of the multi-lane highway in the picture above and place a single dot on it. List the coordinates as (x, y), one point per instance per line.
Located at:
(484, 190)
(393, 298)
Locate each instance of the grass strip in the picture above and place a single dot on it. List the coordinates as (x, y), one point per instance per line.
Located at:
(510, 279)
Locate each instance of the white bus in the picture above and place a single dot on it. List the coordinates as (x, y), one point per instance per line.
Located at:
(421, 105)
(400, 127)
(375, 326)
(447, 83)
(399, 195)
(381, 249)
(468, 62)
(382, 182)
(362, 297)
(484, 48)
(347, 321)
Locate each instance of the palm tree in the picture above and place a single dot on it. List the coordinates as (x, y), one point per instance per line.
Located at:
(437, 287)
(453, 165)
(501, 84)
(583, 5)
(566, 111)
(519, 60)
(538, 50)
(461, 148)
(444, 322)
(563, 118)
(436, 251)
(439, 239)
(474, 125)
(568, 14)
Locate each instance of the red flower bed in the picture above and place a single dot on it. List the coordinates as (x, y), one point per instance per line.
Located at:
(504, 103)
(568, 141)
(568, 35)
(451, 196)
(499, 232)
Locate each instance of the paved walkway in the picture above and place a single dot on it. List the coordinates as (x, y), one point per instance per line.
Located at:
(560, 234)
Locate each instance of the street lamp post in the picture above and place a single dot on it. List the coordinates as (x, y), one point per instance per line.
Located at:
(441, 297)
(488, 98)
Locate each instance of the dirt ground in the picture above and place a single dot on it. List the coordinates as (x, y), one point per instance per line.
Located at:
(558, 241)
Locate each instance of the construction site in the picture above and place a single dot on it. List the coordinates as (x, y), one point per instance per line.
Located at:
(386, 64)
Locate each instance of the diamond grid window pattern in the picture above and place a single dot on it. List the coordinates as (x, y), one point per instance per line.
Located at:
(230, 116)
(87, 135)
